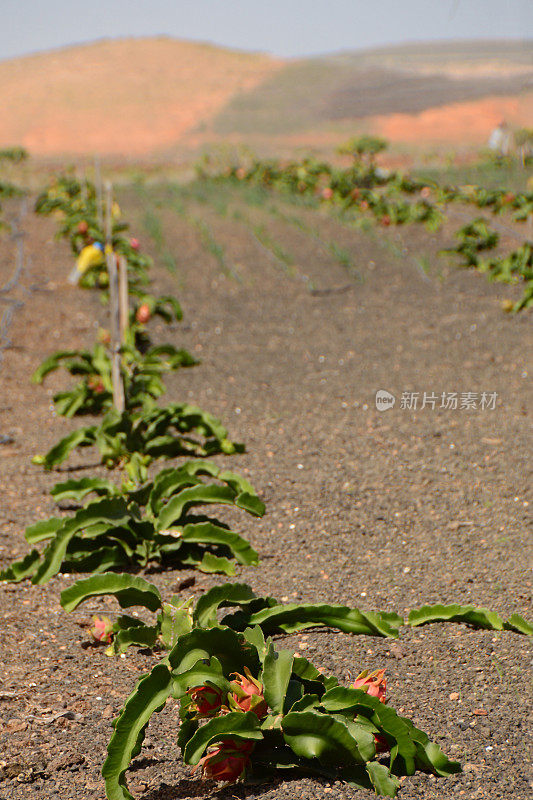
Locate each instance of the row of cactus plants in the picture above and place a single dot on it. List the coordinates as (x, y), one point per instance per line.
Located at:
(344, 185)
(391, 198)
(245, 707)
(475, 240)
(144, 431)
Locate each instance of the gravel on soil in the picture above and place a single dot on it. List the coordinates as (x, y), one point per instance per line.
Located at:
(380, 510)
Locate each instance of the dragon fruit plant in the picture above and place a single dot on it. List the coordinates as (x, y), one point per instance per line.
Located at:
(135, 438)
(142, 365)
(236, 604)
(248, 709)
(75, 205)
(133, 526)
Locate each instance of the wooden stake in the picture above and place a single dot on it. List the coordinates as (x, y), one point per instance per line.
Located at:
(123, 296)
(114, 310)
(98, 187)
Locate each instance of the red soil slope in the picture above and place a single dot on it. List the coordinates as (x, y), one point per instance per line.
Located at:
(137, 97)
(457, 123)
(121, 97)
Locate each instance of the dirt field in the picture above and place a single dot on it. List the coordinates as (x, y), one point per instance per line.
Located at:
(380, 510)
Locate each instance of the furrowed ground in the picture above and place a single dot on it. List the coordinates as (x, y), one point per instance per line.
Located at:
(380, 510)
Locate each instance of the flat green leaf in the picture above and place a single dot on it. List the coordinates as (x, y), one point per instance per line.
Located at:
(187, 728)
(149, 696)
(477, 617)
(221, 643)
(234, 725)
(430, 758)
(51, 363)
(341, 699)
(174, 622)
(207, 533)
(239, 484)
(45, 529)
(313, 735)
(518, 624)
(129, 590)
(228, 594)
(140, 635)
(24, 568)
(303, 669)
(277, 670)
(112, 511)
(211, 564)
(250, 503)
(57, 454)
(292, 617)
(169, 481)
(97, 561)
(382, 781)
(77, 490)
(198, 675)
(255, 637)
(173, 511)
(359, 732)
(306, 703)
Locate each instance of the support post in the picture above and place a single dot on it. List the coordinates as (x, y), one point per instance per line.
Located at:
(114, 310)
(124, 311)
(99, 193)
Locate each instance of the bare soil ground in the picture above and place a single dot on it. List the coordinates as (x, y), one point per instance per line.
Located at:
(378, 510)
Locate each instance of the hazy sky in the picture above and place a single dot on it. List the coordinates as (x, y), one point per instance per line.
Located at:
(282, 27)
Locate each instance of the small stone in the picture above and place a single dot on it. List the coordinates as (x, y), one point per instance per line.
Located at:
(454, 696)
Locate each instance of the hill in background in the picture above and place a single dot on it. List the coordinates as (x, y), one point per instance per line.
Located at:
(121, 97)
(136, 97)
(443, 92)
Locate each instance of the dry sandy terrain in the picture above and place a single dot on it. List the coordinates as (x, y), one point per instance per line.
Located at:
(139, 97)
(124, 97)
(376, 510)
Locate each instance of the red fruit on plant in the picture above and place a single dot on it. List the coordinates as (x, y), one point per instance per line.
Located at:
(382, 745)
(363, 205)
(247, 695)
(385, 220)
(206, 699)
(374, 683)
(134, 243)
(227, 762)
(102, 629)
(425, 192)
(83, 227)
(143, 313)
(327, 193)
(104, 336)
(94, 382)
